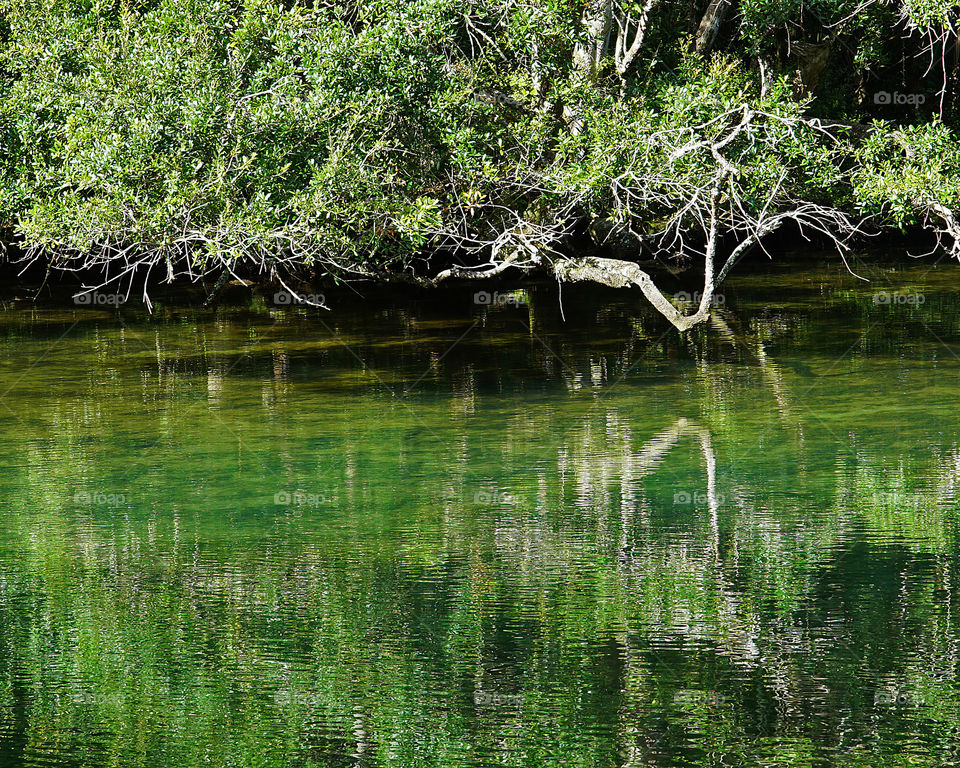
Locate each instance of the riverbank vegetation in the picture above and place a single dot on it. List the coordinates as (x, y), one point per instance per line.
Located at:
(426, 140)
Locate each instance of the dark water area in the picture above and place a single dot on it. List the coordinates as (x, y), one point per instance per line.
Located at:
(441, 529)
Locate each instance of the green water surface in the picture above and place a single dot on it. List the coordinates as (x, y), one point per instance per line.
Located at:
(421, 531)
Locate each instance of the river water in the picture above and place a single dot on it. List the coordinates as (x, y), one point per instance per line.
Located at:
(538, 530)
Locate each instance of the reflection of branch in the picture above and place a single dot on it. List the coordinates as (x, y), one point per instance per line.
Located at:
(710, 460)
(769, 369)
(740, 641)
(653, 452)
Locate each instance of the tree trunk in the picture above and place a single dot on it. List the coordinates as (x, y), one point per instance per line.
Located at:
(813, 58)
(710, 26)
(597, 19)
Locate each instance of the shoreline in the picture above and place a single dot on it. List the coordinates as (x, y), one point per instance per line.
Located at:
(783, 250)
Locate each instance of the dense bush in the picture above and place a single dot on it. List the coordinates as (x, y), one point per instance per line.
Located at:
(339, 137)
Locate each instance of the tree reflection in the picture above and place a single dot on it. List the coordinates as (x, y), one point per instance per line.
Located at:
(594, 552)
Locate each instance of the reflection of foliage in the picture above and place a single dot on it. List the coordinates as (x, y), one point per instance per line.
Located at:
(200, 624)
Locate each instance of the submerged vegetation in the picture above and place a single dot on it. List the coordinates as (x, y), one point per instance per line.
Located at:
(423, 140)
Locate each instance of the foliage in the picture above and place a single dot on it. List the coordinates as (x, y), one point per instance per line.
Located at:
(901, 170)
(357, 138)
